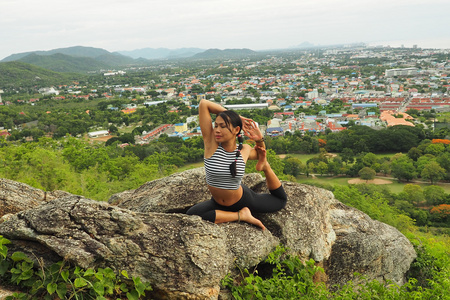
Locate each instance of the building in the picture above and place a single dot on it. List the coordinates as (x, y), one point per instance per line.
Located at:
(96, 134)
(4, 133)
(246, 106)
(401, 72)
(48, 91)
(391, 120)
(274, 131)
(181, 127)
(149, 103)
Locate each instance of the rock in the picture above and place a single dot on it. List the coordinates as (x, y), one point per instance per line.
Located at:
(16, 196)
(374, 249)
(146, 232)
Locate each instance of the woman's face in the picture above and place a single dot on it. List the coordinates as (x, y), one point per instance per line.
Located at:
(224, 132)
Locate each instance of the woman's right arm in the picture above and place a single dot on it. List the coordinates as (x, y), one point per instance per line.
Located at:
(205, 109)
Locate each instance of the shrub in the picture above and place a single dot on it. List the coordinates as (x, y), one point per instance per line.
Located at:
(63, 281)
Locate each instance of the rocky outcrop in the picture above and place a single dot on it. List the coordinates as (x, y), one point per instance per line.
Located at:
(146, 232)
(15, 196)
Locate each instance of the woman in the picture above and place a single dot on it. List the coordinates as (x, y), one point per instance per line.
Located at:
(225, 167)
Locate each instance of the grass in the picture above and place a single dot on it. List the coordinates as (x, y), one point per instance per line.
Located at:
(191, 166)
(394, 187)
(305, 157)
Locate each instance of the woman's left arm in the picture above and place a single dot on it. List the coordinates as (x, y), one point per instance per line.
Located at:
(252, 131)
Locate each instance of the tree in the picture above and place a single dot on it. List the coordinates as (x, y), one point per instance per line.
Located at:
(435, 149)
(414, 153)
(322, 168)
(413, 193)
(335, 166)
(434, 195)
(292, 166)
(367, 173)
(369, 159)
(402, 168)
(433, 172)
(385, 167)
(347, 155)
(441, 213)
(310, 166)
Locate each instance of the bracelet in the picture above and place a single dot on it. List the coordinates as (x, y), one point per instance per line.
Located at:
(239, 217)
(260, 141)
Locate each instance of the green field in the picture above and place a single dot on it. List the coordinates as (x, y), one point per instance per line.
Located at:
(305, 157)
(394, 187)
(191, 166)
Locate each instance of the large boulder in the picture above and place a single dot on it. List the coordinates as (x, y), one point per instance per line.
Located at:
(16, 196)
(146, 232)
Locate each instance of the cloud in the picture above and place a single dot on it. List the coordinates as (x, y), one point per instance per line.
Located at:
(125, 25)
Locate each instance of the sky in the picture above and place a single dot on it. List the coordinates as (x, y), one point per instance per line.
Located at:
(123, 25)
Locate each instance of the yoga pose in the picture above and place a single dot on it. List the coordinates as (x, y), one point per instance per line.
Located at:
(225, 166)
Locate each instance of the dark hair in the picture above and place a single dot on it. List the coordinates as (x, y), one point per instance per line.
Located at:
(231, 118)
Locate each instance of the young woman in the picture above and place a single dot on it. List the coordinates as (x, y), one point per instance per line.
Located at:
(225, 167)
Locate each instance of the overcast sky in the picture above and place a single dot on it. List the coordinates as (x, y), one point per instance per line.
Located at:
(114, 25)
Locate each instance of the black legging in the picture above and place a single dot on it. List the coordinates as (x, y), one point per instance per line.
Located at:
(257, 203)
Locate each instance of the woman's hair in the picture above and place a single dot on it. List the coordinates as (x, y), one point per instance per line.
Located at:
(231, 118)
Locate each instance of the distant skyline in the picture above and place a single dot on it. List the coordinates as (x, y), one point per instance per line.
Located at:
(118, 25)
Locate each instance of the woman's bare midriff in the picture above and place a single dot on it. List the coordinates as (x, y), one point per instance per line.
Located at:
(226, 197)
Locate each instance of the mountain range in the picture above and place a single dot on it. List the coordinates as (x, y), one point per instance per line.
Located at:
(81, 59)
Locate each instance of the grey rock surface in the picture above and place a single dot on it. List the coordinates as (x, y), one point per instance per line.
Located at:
(146, 232)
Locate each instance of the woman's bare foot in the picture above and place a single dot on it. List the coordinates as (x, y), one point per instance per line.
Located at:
(262, 159)
(246, 216)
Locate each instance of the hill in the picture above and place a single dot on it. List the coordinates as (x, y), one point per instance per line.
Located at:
(227, 53)
(74, 59)
(64, 63)
(20, 74)
(79, 51)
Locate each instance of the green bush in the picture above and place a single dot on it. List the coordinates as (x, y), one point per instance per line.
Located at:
(292, 279)
(61, 281)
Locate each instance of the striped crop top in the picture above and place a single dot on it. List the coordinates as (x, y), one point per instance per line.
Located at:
(217, 169)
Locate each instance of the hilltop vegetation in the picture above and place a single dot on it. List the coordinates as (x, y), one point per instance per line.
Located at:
(64, 63)
(77, 51)
(23, 75)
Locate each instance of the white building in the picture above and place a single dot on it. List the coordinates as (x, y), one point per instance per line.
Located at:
(247, 106)
(48, 91)
(96, 134)
(401, 72)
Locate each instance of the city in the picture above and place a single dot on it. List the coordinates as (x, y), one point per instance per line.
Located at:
(306, 91)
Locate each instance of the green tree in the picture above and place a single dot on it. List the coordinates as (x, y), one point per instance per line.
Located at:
(367, 173)
(413, 193)
(434, 195)
(335, 166)
(402, 168)
(385, 167)
(414, 153)
(347, 155)
(435, 149)
(292, 166)
(310, 167)
(369, 159)
(432, 172)
(322, 167)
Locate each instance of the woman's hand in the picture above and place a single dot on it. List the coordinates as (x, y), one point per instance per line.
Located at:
(251, 129)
